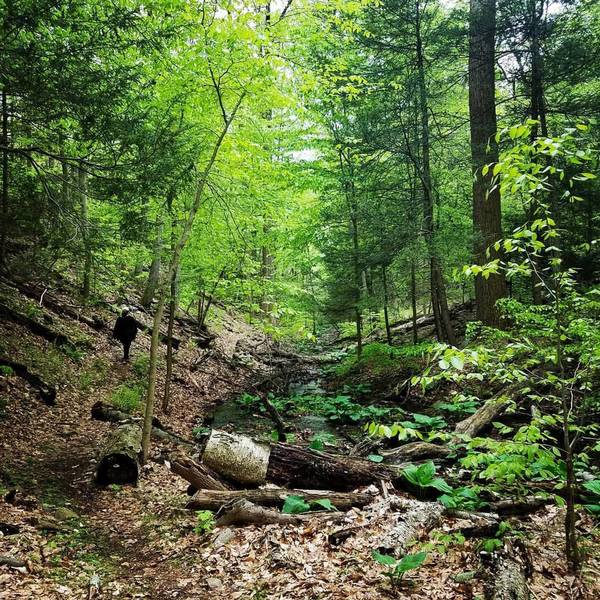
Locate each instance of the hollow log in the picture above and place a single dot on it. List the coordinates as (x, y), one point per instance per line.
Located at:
(198, 475)
(213, 499)
(47, 392)
(243, 512)
(105, 412)
(119, 461)
(239, 458)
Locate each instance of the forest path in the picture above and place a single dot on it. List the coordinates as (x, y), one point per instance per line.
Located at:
(71, 530)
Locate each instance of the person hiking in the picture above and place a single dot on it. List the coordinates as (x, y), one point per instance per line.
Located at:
(125, 330)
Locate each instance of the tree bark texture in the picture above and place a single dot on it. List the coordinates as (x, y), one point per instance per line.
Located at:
(487, 218)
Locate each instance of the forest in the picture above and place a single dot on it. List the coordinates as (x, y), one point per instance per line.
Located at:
(300, 299)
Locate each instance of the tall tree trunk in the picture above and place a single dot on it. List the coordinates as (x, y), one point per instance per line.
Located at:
(357, 284)
(386, 317)
(85, 224)
(538, 101)
(487, 218)
(538, 110)
(413, 298)
(174, 292)
(154, 274)
(5, 175)
(174, 265)
(438, 291)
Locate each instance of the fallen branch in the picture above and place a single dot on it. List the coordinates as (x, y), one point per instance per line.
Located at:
(242, 512)
(36, 327)
(416, 451)
(11, 561)
(213, 499)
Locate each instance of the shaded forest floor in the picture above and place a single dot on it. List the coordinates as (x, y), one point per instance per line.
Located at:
(81, 541)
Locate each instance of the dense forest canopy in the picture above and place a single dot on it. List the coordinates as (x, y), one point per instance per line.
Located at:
(332, 171)
(344, 179)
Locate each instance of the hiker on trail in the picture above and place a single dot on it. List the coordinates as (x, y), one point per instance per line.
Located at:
(125, 330)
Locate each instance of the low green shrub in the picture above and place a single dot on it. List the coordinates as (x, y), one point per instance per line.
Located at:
(127, 397)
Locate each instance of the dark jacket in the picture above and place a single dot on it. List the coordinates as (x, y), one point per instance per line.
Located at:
(125, 329)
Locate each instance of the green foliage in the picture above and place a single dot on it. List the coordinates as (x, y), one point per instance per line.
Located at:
(459, 405)
(442, 541)
(463, 498)
(593, 500)
(423, 476)
(6, 371)
(340, 408)
(378, 359)
(127, 397)
(398, 568)
(140, 366)
(205, 522)
(294, 505)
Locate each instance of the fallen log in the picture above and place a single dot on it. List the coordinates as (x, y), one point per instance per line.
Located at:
(415, 517)
(242, 512)
(484, 415)
(239, 458)
(119, 461)
(416, 451)
(11, 561)
(36, 327)
(213, 499)
(58, 306)
(198, 475)
(523, 506)
(105, 412)
(47, 392)
(509, 580)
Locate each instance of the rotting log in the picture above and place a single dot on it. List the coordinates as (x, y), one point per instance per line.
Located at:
(239, 458)
(243, 512)
(105, 412)
(412, 518)
(213, 499)
(119, 461)
(509, 580)
(47, 392)
(199, 476)
(482, 418)
(522, 506)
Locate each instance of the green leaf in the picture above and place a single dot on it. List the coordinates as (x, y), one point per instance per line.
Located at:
(411, 561)
(376, 458)
(383, 559)
(324, 503)
(294, 505)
